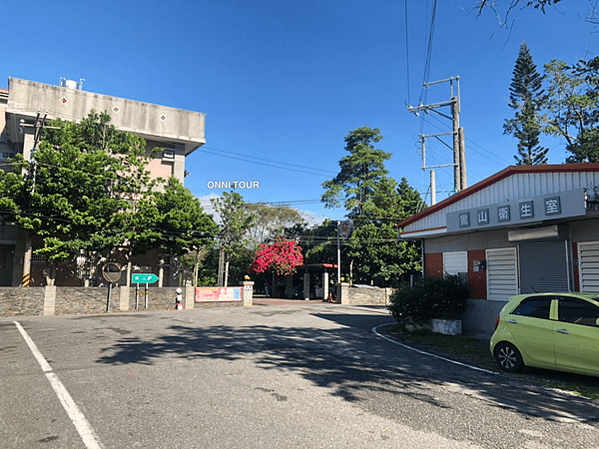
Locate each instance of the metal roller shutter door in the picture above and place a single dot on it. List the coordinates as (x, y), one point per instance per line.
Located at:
(588, 257)
(502, 273)
(543, 267)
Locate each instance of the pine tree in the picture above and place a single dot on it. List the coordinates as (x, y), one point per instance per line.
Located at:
(525, 96)
(359, 174)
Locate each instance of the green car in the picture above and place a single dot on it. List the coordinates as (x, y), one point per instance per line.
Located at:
(558, 331)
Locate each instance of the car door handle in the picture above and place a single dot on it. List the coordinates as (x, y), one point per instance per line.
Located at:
(562, 331)
(512, 321)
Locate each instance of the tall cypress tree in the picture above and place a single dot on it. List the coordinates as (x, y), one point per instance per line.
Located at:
(525, 98)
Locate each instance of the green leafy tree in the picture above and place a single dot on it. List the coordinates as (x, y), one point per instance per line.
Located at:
(271, 222)
(207, 274)
(376, 203)
(410, 201)
(572, 107)
(391, 202)
(191, 263)
(235, 221)
(76, 184)
(183, 225)
(376, 255)
(525, 97)
(360, 172)
(320, 243)
(383, 204)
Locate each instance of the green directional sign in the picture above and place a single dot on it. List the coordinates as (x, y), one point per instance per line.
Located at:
(144, 278)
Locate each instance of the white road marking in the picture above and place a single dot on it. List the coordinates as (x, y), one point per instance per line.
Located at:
(476, 368)
(373, 309)
(82, 425)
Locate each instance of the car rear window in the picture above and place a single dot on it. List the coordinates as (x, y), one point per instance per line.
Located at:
(534, 307)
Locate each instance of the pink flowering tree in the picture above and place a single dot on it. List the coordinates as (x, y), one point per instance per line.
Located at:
(281, 258)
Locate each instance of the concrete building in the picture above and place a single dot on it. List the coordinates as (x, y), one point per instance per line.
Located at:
(525, 229)
(177, 132)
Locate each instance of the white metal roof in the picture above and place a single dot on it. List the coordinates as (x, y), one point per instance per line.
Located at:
(511, 184)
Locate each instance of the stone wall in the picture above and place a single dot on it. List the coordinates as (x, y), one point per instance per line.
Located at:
(15, 301)
(78, 300)
(158, 299)
(32, 301)
(364, 295)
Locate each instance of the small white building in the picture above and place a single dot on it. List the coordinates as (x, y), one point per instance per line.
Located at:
(525, 229)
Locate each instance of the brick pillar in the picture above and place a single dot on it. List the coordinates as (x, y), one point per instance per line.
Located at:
(247, 293)
(343, 288)
(124, 292)
(190, 295)
(49, 300)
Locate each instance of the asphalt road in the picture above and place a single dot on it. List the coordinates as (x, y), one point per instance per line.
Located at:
(302, 376)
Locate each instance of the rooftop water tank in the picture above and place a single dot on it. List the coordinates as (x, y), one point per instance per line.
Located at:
(71, 84)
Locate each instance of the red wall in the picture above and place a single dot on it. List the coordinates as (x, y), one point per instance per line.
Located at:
(477, 281)
(576, 267)
(433, 264)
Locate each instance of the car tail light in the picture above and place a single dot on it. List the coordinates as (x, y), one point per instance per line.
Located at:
(497, 322)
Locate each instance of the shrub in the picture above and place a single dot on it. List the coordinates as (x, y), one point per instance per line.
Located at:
(431, 297)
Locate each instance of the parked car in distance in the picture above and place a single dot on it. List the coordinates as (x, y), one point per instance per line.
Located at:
(557, 331)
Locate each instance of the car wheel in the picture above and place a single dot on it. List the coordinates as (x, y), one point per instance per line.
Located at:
(508, 357)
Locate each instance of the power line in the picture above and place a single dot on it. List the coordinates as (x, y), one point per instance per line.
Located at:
(488, 154)
(429, 51)
(268, 162)
(407, 49)
(333, 240)
(285, 203)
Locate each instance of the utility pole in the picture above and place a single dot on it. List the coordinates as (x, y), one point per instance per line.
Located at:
(221, 267)
(38, 127)
(459, 156)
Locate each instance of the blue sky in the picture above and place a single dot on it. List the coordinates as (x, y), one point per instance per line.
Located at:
(282, 83)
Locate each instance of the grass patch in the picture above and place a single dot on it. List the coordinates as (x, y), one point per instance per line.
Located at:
(476, 352)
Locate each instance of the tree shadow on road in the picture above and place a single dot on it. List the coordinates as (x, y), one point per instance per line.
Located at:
(352, 363)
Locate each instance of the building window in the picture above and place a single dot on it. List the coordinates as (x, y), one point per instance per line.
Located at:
(36, 258)
(5, 155)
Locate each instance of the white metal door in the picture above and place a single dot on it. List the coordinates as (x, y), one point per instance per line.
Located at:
(588, 263)
(502, 273)
(455, 262)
